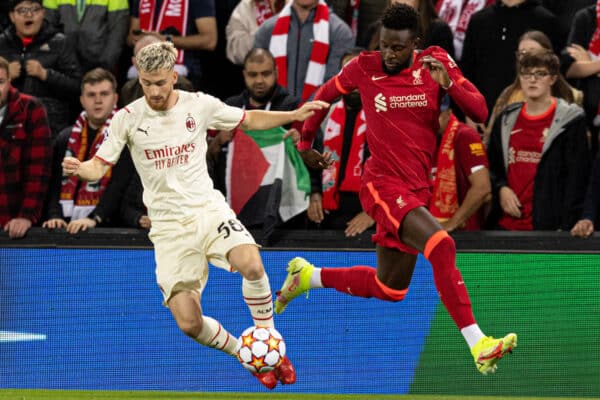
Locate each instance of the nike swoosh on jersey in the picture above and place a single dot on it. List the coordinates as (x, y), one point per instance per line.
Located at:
(376, 78)
(515, 131)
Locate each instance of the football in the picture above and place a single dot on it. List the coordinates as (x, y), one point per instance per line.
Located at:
(260, 349)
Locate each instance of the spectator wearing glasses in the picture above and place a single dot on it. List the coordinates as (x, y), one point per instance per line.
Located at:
(532, 42)
(538, 153)
(42, 62)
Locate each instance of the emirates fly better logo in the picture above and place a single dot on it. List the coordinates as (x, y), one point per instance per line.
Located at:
(380, 103)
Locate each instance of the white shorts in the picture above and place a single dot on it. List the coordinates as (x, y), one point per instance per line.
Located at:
(183, 249)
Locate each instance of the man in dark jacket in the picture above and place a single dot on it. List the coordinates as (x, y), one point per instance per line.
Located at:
(262, 92)
(42, 63)
(25, 158)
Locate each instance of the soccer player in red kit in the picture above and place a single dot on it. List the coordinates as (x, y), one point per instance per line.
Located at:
(401, 91)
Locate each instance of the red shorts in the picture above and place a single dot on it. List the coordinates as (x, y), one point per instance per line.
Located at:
(388, 203)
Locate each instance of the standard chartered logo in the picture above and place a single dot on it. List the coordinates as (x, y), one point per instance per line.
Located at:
(405, 101)
(380, 103)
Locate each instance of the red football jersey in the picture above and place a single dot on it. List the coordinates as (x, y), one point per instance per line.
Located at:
(401, 112)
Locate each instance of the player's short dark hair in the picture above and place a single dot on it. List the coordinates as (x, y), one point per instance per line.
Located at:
(98, 75)
(259, 55)
(544, 59)
(400, 17)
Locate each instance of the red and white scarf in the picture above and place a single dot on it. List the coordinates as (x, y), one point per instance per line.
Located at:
(444, 200)
(78, 198)
(457, 14)
(173, 13)
(333, 141)
(594, 46)
(265, 9)
(315, 73)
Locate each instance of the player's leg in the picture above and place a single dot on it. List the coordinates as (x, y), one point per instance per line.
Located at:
(185, 307)
(256, 289)
(422, 231)
(361, 281)
(182, 273)
(245, 258)
(358, 280)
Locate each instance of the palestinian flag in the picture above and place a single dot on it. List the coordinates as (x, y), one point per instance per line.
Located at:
(266, 179)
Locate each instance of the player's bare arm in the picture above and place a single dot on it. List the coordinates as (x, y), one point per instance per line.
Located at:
(90, 170)
(260, 119)
(437, 70)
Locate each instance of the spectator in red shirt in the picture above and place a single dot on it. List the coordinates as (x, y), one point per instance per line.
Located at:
(25, 157)
(401, 91)
(539, 154)
(460, 177)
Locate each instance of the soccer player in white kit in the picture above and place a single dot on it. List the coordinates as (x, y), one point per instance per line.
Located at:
(191, 222)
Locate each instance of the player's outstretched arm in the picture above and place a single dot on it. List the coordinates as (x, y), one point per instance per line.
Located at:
(260, 119)
(90, 170)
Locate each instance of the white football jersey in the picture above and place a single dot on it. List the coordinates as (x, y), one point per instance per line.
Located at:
(168, 149)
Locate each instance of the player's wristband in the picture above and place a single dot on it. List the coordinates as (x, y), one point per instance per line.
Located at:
(449, 86)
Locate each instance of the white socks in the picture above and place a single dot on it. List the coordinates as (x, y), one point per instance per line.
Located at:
(214, 335)
(472, 334)
(257, 295)
(315, 279)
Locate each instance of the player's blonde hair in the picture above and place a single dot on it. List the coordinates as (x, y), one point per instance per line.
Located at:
(156, 56)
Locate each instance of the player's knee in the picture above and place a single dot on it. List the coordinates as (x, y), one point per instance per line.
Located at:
(246, 260)
(252, 269)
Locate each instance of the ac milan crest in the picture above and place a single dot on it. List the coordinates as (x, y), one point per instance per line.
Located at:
(190, 123)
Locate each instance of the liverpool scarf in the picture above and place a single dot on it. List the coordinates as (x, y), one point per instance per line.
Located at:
(333, 142)
(444, 201)
(173, 13)
(265, 9)
(315, 73)
(79, 198)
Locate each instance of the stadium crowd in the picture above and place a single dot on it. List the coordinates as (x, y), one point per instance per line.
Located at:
(66, 67)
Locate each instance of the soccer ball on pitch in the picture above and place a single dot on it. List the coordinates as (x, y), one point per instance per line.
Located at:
(260, 349)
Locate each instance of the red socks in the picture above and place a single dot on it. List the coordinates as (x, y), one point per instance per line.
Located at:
(359, 281)
(441, 253)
